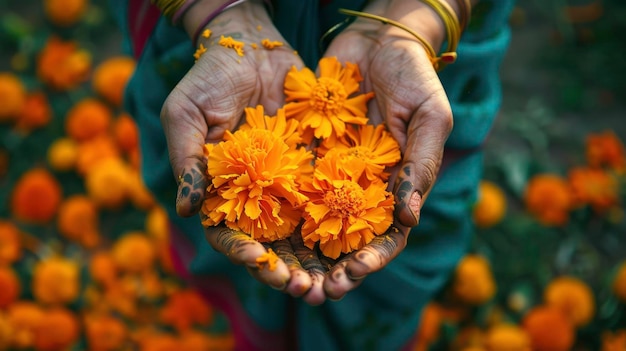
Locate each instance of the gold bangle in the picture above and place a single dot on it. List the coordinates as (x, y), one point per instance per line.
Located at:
(168, 7)
(465, 9)
(453, 31)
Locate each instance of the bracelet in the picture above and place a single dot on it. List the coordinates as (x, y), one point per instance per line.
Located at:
(465, 8)
(168, 7)
(228, 4)
(453, 31)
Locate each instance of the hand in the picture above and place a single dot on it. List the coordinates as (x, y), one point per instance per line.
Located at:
(410, 99)
(209, 100)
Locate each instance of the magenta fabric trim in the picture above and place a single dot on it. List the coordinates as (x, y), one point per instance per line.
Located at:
(142, 19)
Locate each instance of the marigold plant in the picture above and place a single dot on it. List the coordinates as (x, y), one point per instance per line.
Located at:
(24, 318)
(56, 281)
(548, 197)
(36, 196)
(65, 13)
(57, 331)
(63, 154)
(108, 182)
(133, 253)
(606, 150)
(473, 281)
(62, 65)
(36, 112)
(560, 334)
(572, 297)
(10, 243)
(111, 76)
(78, 220)
(12, 96)
(10, 286)
(491, 205)
(594, 187)
(87, 119)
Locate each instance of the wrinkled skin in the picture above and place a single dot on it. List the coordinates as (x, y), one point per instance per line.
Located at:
(211, 98)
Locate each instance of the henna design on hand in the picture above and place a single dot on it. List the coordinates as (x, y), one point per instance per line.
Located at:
(193, 184)
(233, 242)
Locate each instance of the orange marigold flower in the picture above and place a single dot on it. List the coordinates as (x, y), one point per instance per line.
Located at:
(325, 104)
(185, 308)
(365, 149)
(505, 337)
(10, 286)
(103, 269)
(429, 326)
(36, 112)
(36, 196)
(108, 183)
(614, 341)
(473, 281)
(619, 282)
(10, 244)
(198, 341)
(549, 198)
(105, 333)
(134, 252)
(64, 13)
(94, 151)
(606, 149)
(490, 207)
(254, 180)
(572, 297)
(78, 220)
(548, 329)
(12, 96)
(343, 215)
(87, 119)
(58, 330)
(111, 77)
(56, 281)
(126, 132)
(24, 318)
(62, 65)
(595, 187)
(159, 342)
(62, 154)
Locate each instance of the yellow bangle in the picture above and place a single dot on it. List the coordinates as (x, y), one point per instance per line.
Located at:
(453, 30)
(168, 7)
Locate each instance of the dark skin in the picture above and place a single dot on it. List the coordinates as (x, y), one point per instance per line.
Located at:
(409, 99)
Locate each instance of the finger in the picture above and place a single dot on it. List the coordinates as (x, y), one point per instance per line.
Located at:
(241, 249)
(377, 254)
(300, 281)
(311, 264)
(337, 283)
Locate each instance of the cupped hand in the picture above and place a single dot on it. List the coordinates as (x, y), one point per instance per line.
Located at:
(411, 101)
(209, 100)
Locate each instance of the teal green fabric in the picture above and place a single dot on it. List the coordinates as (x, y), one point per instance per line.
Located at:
(384, 312)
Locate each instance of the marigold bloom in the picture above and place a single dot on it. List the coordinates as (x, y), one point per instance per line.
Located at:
(126, 132)
(12, 96)
(429, 326)
(24, 318)
(10, 286)
(62, 154)
(78, 220)
(10, 244)
(133, 253)
(325, 104)
(87, 119)
(594, 187)
(185, 308)
(365, 149)
(505, 337)
(198, 341)
(94, 151)
(473, 281)
(103, 269)
(56, 281)
(341, 214)
(36, 112)
(105, 333)
(572, 297)
(254, 180)
(491, 206)
(619, 282)
(111, 77)
(606, 149)
(64, 13)
(159, 342)
(548, 329)
(58, 330)
(36, 196)
(549, 199)
(138, 193)
(62, 65)
(614, 341)
(108, 183)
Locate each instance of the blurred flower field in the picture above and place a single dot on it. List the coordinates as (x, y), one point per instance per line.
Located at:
(84, 260)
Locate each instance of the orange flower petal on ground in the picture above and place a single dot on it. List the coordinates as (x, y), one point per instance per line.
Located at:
(572, 297)
(549, 199)
(105, 333)
(57, 331)
(56, 281)
(10, 244)
(87, 119)
(342, 215)
(186, 308)
(63, 154)
(507, 337)
(560, 334)
(107, 183)
(491, 206)
(24, 318)
(78, 220)
(36, 112)
(10, 286)
(325, 104)
(62, 65)
(606, 149)
(595, 187)
(134, 253)
(254, 186)
(36, 196)
(111, 77)
(64, 13)
(12, 96)
(473, 281)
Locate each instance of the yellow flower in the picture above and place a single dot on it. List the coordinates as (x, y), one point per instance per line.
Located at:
(62, 154)
(343, 215)
(134, 253)
(55, 281)
(572, 297)
(505, 337)
(491, 205)
(473, 281)
(111, 77)
(254, 175)
(325, 104)
(365, 150)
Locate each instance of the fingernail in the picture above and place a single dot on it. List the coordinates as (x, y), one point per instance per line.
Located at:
(415, 204)
(280, 287)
